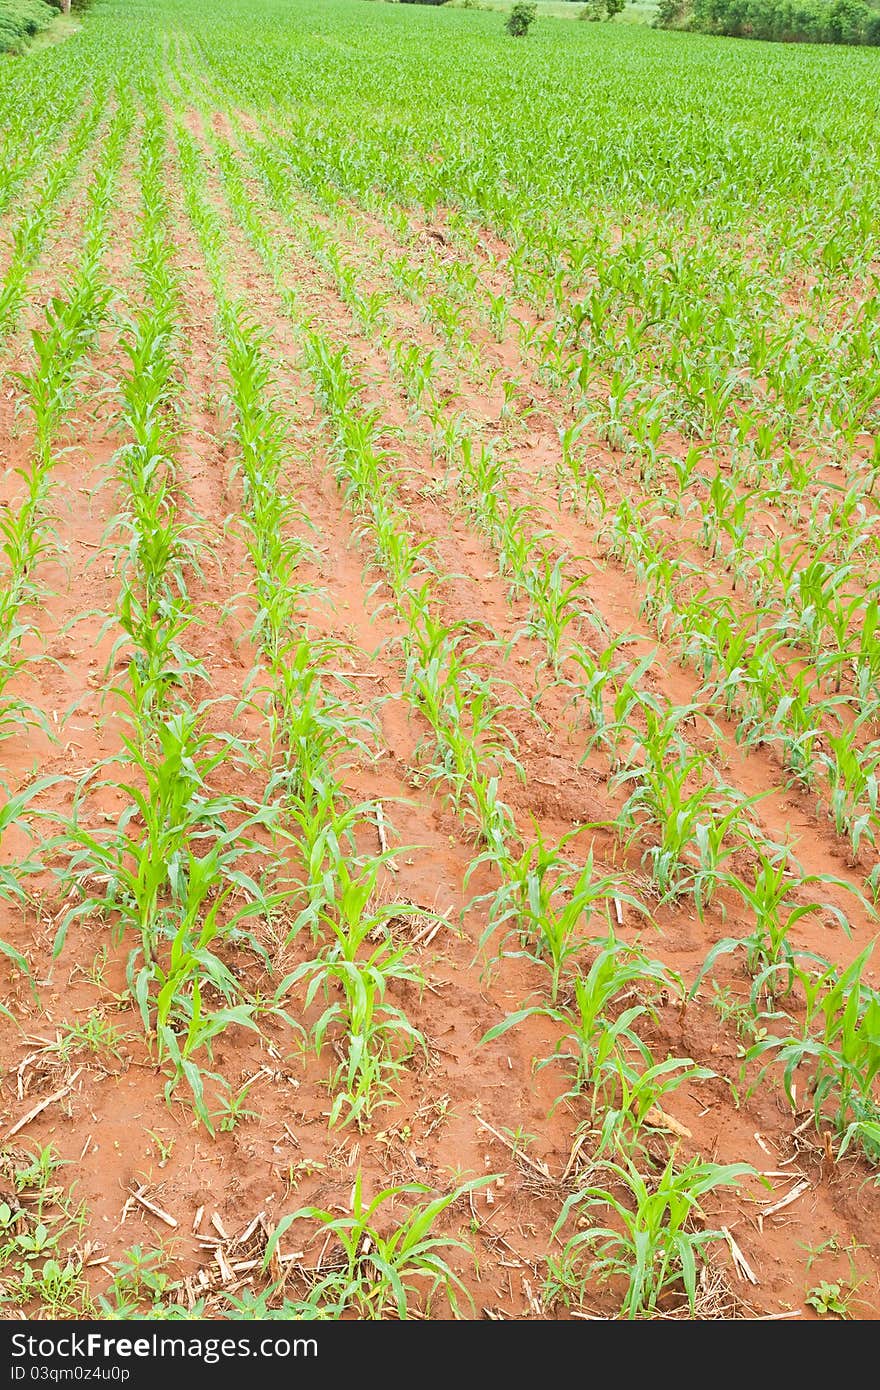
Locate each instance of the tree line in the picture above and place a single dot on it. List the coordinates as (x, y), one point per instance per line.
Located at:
(783, 21)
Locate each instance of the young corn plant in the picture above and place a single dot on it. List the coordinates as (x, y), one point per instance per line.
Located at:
(547, 905)
(771, 900)
(697, 825)
(659, 1238)
(135, 877)
(357, 966)
(595, 1025)
(632, 1088)
(841, 1058)
(385, 1268)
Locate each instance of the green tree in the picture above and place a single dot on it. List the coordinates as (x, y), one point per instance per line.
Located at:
(521, 19)
(848, 20)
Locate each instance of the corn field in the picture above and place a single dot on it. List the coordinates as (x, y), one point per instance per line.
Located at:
(439, 669)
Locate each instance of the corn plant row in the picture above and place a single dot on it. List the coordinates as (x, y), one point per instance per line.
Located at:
(817, 607)
(658, 795)
(751, 678)
(314, 735)
(169, 882)
(551, 902)
(60, 350)
(550, 898)
(772, 897)
(42, 208)
(803, 587)
(33, 127)
(819, 603)
(599, 290)
(664, 790)
(472, 746)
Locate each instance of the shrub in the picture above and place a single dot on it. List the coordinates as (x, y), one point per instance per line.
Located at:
(521, 19)
(20, 20)
(596, 10)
